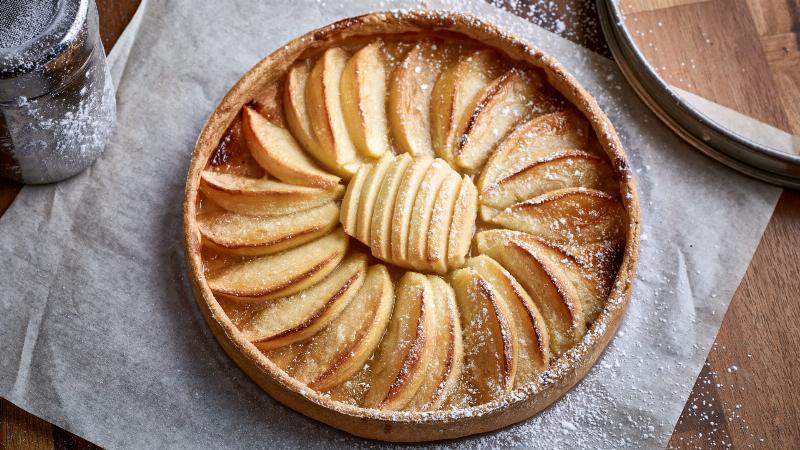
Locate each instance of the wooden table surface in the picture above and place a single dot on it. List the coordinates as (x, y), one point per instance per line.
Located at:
(748, 392)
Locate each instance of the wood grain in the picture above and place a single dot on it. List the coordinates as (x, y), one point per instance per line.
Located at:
(114, 17)
(774, 16)
(634, 6)
(783, 56)
(8, 192)
(761, 321)
(18, 429)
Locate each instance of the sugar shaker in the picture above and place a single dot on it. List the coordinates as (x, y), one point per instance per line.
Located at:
(57, 106)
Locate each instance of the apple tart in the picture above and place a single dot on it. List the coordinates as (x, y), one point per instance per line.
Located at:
(411, 226)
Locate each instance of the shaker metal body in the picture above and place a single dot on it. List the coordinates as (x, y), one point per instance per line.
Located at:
(57, 106)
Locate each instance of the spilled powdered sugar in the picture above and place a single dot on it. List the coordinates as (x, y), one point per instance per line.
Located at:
(708, 421)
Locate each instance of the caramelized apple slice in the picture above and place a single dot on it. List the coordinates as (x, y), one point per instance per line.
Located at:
(294, 105)
(339, 351)
(572, 217)
(533, 141)
(410, 97)
(381, 224)
(454, 97)
(262, 197)
(403, 206)
(281, 274)
(422, 211)
(352, 196)
(439, 228)
(448, 362)
(462, 226)
(262, 235)
(369, 192)
(491, 348)
(408, 348)
(500, 106)
(296, 318)
(279, 154)
(363, 329)
(591, 279)
(562, 169)
(532, 335)
(363, 91)
(324, 106)
(544, 281)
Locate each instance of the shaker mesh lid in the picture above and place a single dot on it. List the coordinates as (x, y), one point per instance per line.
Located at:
(42, 42)
(24, 20)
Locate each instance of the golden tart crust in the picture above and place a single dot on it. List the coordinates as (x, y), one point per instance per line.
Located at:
(238, 185)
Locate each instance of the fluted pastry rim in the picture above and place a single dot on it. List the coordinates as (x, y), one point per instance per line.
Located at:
(409, 426)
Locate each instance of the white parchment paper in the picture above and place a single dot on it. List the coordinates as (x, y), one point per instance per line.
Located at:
(100, 333)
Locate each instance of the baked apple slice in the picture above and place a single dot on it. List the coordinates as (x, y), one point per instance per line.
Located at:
(559, 170)
(262, 235)
(272, 276)
(357, 335)
(532, 141)
(410, 97)
(422, 211)
(363, 98)
(454, 97)
(591, 279)
(381, 225)
(439, 228)
(462, 226)
(404, 205)
(499, 107)
(261, 196)
(532, 335)
(491, 348)
(294, 106)
(297, 317)
(276, 150)
(543, 280)
(445, 370)
(408, 347)
(324, 106)
(352, 196)
(573, 217)
(340, 350)
(369, 192)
